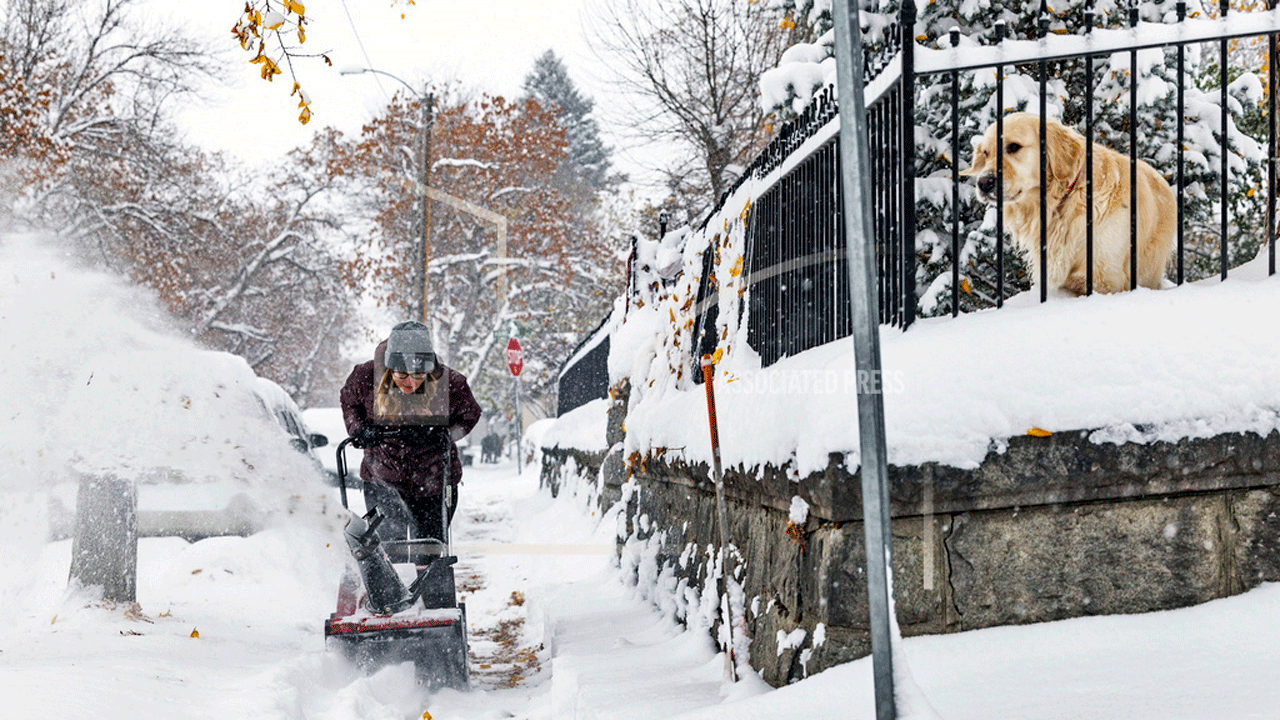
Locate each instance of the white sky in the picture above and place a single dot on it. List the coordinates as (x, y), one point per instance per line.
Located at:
(488, 46)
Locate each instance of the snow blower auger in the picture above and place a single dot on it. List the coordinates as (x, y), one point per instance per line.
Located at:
(379, 621)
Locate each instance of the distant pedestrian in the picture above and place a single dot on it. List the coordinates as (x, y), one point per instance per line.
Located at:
(490, 447)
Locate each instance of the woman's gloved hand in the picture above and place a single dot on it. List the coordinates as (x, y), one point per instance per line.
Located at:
(366, 435)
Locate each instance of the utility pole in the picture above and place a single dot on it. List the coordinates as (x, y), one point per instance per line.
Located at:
(427, 100)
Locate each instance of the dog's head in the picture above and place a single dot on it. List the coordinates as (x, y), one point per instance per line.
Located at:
(1020, 157)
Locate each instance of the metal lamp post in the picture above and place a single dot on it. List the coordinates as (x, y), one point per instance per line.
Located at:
(860, 246)
(426, 100)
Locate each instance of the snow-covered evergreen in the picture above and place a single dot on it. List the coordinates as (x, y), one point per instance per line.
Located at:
(588, 157)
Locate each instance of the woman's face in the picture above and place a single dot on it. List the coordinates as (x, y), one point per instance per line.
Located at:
(408, 382)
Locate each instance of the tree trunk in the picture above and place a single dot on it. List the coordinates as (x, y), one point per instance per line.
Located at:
(104, 550)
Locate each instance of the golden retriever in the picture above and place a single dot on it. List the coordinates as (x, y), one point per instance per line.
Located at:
(1065, 197)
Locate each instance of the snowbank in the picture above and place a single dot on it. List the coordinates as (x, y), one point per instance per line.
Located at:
(582, 428)
(97, 382)
(1186, 362)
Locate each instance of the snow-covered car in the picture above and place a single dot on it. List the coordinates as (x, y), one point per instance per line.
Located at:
(286, 413)
(212, 448)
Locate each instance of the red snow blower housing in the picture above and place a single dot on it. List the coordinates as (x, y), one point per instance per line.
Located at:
(379, 620)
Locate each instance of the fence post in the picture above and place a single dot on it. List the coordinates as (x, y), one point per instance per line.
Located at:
(104, 548)
(1272, 56)
(907, 269)
(859, 234)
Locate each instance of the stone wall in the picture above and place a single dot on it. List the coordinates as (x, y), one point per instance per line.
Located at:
(1045, 529)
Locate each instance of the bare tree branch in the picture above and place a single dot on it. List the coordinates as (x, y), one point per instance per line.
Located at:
(693, 68)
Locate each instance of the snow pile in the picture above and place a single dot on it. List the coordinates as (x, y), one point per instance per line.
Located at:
(799, 511)
(97, 383)
(582, 428)
(803, 70)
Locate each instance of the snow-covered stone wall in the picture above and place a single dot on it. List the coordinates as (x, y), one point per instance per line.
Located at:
(1047, 528)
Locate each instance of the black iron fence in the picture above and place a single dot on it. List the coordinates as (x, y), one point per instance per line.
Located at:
(1211, 131)
(947, 243)
(585, 375)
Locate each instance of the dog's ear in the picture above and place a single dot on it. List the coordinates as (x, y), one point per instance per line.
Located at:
(977, 151)
(1065, 149)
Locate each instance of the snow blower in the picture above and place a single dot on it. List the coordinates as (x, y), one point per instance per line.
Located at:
(379, 621)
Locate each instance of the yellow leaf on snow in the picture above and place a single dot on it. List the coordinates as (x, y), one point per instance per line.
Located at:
(1038, 432)
(736, 270)
(195, 633)
(715, 357)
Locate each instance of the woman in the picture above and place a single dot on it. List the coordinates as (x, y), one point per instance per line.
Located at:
(431, 407)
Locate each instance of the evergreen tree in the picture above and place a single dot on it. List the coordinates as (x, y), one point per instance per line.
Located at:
(586, 167)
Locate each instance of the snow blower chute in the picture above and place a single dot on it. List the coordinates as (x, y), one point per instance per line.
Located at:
(379, 620)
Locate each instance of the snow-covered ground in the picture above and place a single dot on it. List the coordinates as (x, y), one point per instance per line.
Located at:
(578, 641)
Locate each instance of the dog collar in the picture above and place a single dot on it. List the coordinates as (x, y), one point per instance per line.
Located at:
(1071, 188)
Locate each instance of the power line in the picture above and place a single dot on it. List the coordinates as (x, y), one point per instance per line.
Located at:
(365, 53)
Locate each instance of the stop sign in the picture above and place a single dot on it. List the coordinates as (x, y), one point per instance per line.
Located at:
(515, 356)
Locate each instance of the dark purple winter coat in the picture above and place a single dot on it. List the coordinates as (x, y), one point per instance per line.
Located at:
(413, 470)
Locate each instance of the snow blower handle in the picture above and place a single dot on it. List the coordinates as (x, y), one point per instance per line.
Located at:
(342, 470)
(368, 435)
(365, 436)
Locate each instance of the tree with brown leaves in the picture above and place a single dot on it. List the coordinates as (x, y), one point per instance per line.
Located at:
(558, 273)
